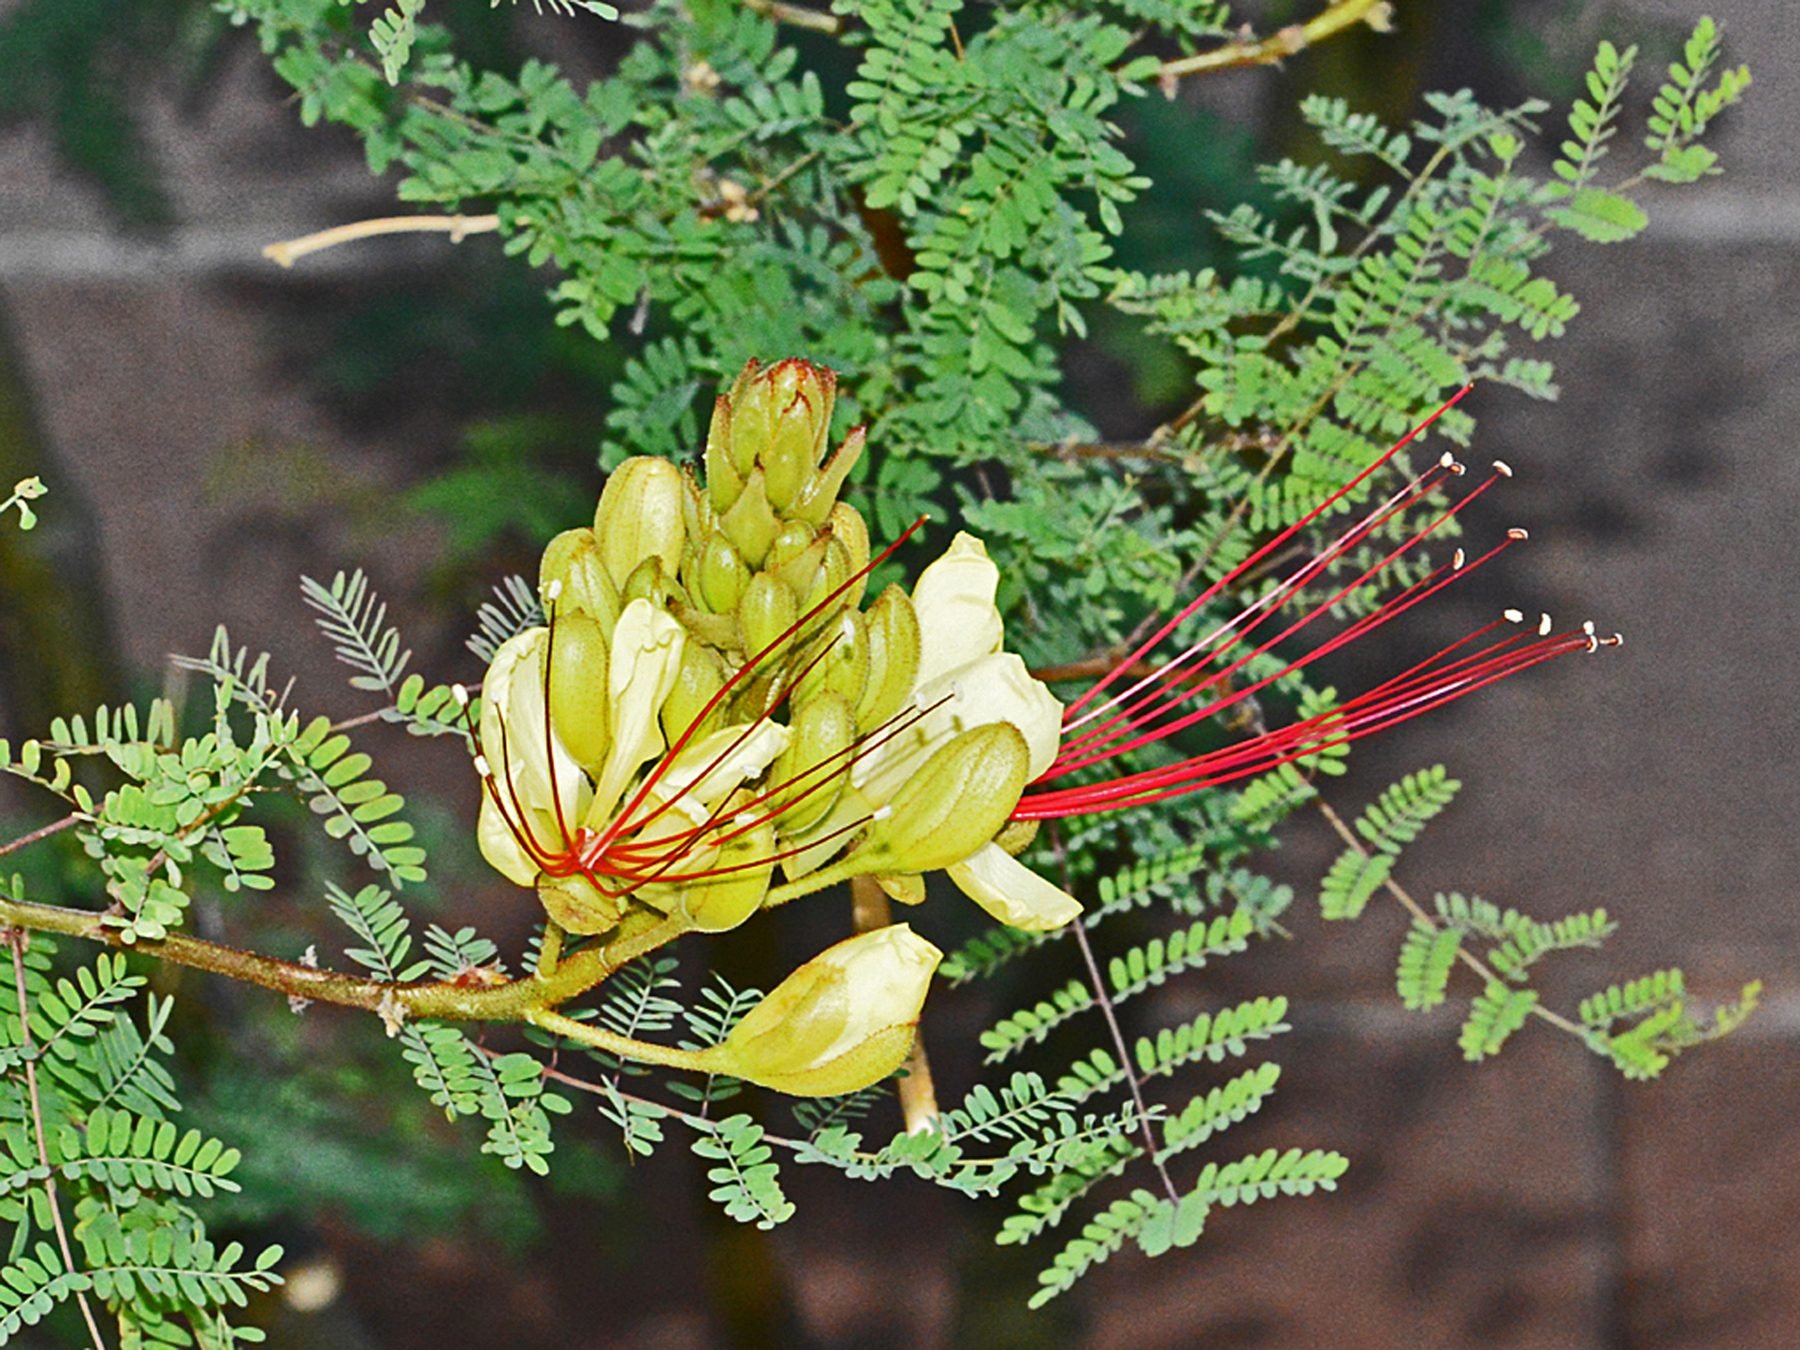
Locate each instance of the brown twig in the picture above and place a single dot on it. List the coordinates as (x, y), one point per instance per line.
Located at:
(288, 251)
(1283, 43)
(16, 939)
(797, 16)
(42, 832)
(870, 909)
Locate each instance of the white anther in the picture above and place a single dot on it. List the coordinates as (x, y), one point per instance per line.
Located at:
(1544, 626)
(1456, 560)
(460, 694)
(1446, 460)
(1587, 626)
(554, 590)
(956, 689)
(1516, 533)
(744, 818)
(1616, 640)
(881, 813)
(1513, 615)
(1502, 468)
(1593, 644)
(481, 765)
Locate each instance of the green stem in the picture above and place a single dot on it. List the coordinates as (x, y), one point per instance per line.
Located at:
(844, 870)
(645, 1052)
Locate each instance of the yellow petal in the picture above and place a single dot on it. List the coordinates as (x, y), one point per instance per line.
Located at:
(645, 659)
(954, 598)
(1012, 892)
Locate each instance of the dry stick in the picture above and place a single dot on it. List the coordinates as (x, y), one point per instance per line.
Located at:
(1420, 915)
(42, 832)
(16, 938)
(870, 909)
(796, 16)
(1378, 14)
(288, 251)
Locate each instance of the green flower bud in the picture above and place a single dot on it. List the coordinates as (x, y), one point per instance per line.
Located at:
(796, 556)
(819, 495)
(844, 667)
(820, 734)
(766, 612)
(696, 681)
(833, 571)
(953, 805)
(723, 481)
(746, 866)
(852, 532)
(894, 646)
(648, 581)
(780, 418)
(578, 689)
(842, 1021)
(573, 558)
(640, 516)
(719, 576)
(750, 523)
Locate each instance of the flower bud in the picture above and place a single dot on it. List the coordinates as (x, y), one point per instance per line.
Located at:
(578, 702)
(640, 516)
(780, 418)
(696, 681)
(820, 735)
(893, 658)
(954, 804)
(573, 558)
(723, 481)
(766, 612)
(843, 669)
(852, 532)
(750, 523)
(719, 576)
(796, 556)
(745, 867)
(817, 498)
(842, 1021)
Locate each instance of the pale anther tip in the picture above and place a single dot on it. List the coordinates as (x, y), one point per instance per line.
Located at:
(1513, 615)
(1593, 644)
(1544, 625)
(1587, 626)
(1502, 468)
(1457, 560)
(553, 590)
(481, 765)
(1446, 460)
(956, 689)
(460, 694)
(881, 813)
(744, 818)
(1616, 640)
(1516, 533)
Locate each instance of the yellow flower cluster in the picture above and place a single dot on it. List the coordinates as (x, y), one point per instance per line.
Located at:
(712, 701)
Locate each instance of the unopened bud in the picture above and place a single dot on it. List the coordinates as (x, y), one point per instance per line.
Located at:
(816, 499)
(811, 772)
(841, 1022)
(578, 689)
(573, 561)
(766, 614)
(640, 516)
(750, 522)
(894, 646)
(720, 576)
(954, 804)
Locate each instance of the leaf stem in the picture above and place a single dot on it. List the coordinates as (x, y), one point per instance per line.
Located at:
(16, 940)
(42, 832)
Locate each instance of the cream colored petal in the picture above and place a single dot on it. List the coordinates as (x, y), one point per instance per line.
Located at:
(645, 659)
(501, 848)
(995, 688)
(1012, 892)
(695, 772)
(514, 743)
(954, 598)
